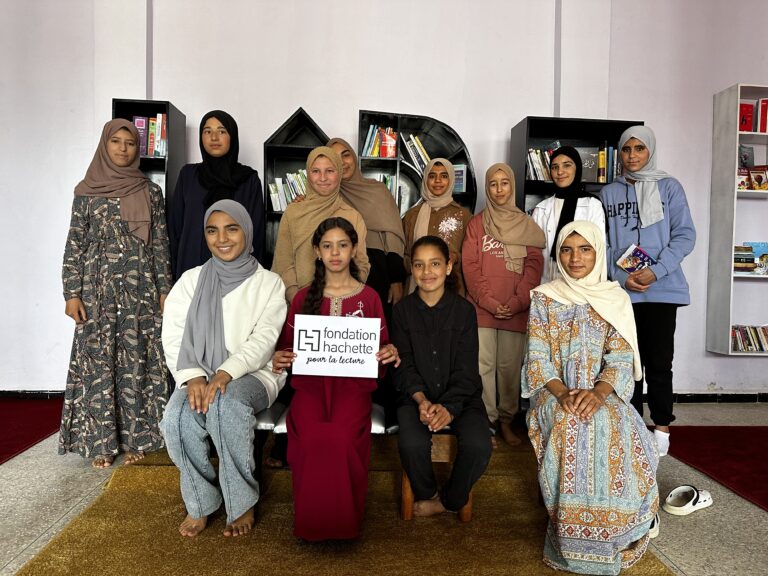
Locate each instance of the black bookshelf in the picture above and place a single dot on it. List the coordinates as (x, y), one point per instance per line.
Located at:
(539, 131)
(439, 140)
(285, 151)
(176, 133)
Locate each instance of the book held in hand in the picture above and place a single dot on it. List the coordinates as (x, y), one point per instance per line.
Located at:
(635, 258)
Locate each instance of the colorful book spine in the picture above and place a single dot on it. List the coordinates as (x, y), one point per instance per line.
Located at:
(151, 137)
(141, 125)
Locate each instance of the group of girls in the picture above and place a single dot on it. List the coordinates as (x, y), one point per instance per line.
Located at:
(461, 296)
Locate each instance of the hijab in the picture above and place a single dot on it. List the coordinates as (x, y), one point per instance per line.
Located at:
(107, 179)
(510, 225)
(608, 299)
(570, 194)
(375, 203)
(203, 345)
(430, 201)
(223, 175)
(315, 208)
(649, 203)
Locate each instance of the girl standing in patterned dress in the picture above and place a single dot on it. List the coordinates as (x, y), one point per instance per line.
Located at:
(116, 276)
(438, 214)
(329, 422)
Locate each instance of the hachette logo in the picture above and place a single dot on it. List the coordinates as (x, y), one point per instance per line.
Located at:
(309, 341)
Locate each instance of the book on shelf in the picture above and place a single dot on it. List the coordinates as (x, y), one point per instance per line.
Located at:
(589, 162)
(749, 338)
(758, 177)
(142, 126)
(286, 189)
(747, 115)
(742, 179)
(416, 152)
(161, 141)
(759, 249)
(743, 259)
(635, 258)
(420, 149)
(151, 137)
(460, 181)
(746, 156)
(602, 164)
(380, 143)
(762, 115)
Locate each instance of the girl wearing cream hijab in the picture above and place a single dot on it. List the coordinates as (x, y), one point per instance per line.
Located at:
(438, 214)
(579, 374)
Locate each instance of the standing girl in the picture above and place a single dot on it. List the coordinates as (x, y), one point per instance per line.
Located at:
(438, 215)
(116, 276)
(329, 421)
(218, 177)
(502, 264)
(570, 202)
(648, 208)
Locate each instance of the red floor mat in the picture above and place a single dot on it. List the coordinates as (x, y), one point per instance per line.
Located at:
(25, 422)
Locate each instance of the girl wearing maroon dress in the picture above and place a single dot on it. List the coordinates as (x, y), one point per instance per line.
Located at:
(329, 422)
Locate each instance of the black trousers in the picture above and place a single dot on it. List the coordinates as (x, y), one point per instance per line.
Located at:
(656, 324)
(472, 457)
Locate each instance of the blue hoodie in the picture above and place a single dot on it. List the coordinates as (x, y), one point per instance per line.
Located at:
(668, 241)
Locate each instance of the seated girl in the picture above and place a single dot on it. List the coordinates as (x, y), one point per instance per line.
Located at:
(597, 460)
(435, 331)
(329, 422)
(220, 326)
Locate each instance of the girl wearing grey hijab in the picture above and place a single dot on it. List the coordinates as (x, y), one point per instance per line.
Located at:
(220, 326)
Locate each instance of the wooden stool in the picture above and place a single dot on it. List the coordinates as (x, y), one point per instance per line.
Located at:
(443, 450)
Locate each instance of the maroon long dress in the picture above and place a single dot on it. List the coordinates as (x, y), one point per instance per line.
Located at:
(329, 432)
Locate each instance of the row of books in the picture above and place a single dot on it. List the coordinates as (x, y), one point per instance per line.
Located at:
(753, 115)
(749, 338)
(416, 151)
(283, 191)
(750, 256)
(380, 143)
(153, 140)
(390, 182)
(754, 178)
(598, 164)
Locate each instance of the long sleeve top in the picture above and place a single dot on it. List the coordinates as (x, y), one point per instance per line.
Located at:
(253, 313)
(185, 219)
(438, 349)
(667, 241)
(490, 284)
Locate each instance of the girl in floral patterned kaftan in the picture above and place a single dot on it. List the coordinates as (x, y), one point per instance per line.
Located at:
(597, 460)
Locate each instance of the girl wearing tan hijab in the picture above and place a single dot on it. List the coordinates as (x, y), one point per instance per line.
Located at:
(294, 257)
(438, 215)
(116, 276)
(502, 264)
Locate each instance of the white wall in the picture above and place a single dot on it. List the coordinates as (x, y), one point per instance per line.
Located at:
(478, 66)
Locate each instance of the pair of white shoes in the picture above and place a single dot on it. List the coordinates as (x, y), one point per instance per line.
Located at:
(682, 501)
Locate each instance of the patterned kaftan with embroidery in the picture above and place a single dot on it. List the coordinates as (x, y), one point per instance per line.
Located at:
(329, 432)
(597, 478)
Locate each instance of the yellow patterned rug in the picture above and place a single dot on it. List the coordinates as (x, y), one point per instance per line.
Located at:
(131, 529)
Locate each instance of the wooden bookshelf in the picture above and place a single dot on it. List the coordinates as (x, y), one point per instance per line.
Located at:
(439, 140)
(176, 132)
(539, 131)
(285, 151)
(736, 216)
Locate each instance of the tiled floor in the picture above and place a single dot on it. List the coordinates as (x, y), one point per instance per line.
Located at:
(42, 492)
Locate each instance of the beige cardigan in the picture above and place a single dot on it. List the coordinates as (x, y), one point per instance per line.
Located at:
(296, 264)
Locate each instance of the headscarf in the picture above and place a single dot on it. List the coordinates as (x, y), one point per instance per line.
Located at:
(202, 345)
(510, 225)
(315, 208)
(223, 175)
(432, 202)
(608, 299)
(570, 194)
(375, 203)
(107, 179)
(649, 203)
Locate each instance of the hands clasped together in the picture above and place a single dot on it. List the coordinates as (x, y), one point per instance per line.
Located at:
(434, 416)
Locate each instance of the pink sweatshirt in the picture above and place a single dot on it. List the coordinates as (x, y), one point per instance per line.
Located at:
(489, 283)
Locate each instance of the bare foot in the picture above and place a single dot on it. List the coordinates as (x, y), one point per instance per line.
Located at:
(102, 461)
(429, 507)
(240, 526)
(192, 526)
(494, 443)
(509, 436)
(133, 457)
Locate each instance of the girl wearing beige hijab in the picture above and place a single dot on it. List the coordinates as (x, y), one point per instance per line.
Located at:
(438, 214)
(294, 257)
(116, 276)
(385, 240)
(503, 262)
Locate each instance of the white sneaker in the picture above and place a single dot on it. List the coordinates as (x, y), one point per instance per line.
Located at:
(662, 442)
(653, 531)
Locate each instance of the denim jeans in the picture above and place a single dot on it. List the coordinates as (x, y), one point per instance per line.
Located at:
(230, 423)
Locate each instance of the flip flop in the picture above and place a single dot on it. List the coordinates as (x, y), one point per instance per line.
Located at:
(686, 499)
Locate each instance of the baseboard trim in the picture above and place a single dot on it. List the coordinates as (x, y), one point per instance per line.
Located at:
(718, 397)
(31, 394)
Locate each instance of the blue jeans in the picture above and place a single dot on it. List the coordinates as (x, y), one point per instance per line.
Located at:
(230, 423)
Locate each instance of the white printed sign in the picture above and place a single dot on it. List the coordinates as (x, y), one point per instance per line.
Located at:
(336, 346)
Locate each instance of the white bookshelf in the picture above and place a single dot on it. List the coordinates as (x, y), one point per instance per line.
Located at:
(735, 216)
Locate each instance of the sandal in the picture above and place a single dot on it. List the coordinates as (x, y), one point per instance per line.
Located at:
(686, 499)
(653, 531)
